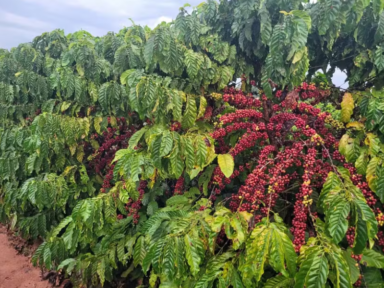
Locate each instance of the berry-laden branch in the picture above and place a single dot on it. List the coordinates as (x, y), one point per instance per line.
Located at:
(287, 142)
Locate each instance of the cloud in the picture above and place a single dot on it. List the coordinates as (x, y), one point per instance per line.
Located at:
(16, 29)
(152, 23)
(122, 8)
(14, 20)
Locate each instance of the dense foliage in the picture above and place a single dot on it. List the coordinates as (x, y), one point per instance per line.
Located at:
(137, 164)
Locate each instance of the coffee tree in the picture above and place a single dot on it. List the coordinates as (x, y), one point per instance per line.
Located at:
(139, 163)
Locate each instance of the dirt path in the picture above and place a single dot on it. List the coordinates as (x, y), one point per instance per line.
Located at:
(16, 271)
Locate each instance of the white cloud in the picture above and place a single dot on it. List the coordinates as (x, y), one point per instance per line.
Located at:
(113, 7)
(152, 23)
(17, 20)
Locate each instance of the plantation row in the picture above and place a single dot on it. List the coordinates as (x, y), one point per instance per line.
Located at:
(137, 164)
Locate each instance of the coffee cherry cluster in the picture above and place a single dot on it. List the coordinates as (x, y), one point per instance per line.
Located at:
(239, 115)
(176, 126)
(351, 236)
(179, 186)
(247, 141)
(292, 150)
(358, 283)
(110, 141)
(133, 206)
(357, 257)
(239, 100)
(357, 180)
(219, 181)
(380, 239)
(208, 113)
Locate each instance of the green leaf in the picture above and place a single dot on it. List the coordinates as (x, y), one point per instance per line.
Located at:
(124, 76)
(258, 251)
(120, 154)
(279, 281)
(380, 184)
(353, 270)
(139, 251)
(155, 151)
(277, 253)
(226, 164)
(169, 259)
(371, 258)
(239, 236)
(189, 152)
(318, 274)
(362, 162)
(289, 254)
(190, 114)
(361, 233)
(177, 200)
(152, 208)
(192, 254)
(177, 162)
(134, 140)
(338, 223)
(341, 270)
(304, 16)
(166, 144)
(101, 271)
(305, 267)
(103, 96)
(372, 278)
(201, 151)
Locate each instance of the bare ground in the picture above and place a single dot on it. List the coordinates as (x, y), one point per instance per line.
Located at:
(16, 270)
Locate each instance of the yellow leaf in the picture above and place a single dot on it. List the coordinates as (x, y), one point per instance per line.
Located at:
(371, 170)
(356, 125)
(285, 13)
(80, 69)
(95, 145)
(96, 123)
(299, 55)
(65, 106)
(113, 121)
(347, 106)
(211, 154)
(80, 153)
(72, 149)
(246, 215)
(67, 170)
(343, 144)
(203, 105)
(226, 164)
(372, 182)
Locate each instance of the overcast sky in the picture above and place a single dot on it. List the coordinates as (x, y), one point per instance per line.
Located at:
(22, 20)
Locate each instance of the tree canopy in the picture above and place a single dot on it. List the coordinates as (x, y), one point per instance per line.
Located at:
(138, 163)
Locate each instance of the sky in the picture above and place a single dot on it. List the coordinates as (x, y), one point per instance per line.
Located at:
(22, 20)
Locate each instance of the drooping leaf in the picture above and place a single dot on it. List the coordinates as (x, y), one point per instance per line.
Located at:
(226, 164)
(347, 106)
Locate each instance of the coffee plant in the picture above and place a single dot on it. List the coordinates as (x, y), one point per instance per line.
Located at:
(139, 161)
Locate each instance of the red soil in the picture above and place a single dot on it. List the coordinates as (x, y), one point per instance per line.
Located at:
(16, 270)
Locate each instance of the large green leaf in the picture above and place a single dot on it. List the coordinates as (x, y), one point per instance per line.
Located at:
(371, 258)
(338, 223)
(139, 251)
(306, 266)
(192, 254)
(318, 273)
